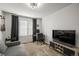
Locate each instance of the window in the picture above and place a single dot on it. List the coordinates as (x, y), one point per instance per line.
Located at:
(22, 28)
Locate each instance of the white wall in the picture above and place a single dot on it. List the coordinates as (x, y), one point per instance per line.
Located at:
(3, 47)
(2, 36)
(0, 19)
(66, 18)
(8, 23)
(0, 26)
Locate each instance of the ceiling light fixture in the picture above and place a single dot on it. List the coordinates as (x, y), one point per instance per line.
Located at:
(33, 5)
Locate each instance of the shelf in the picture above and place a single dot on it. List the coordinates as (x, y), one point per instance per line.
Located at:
(63, 49)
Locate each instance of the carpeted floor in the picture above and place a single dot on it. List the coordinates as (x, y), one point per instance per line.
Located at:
(36, 49)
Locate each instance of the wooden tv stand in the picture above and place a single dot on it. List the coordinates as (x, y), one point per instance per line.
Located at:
(64, 50)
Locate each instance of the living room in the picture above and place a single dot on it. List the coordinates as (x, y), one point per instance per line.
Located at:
(24, 29)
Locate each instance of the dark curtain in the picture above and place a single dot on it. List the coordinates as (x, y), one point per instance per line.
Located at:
(15, 28)
(34, 29)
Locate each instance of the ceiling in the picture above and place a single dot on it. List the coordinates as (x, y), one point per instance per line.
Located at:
(22, 9)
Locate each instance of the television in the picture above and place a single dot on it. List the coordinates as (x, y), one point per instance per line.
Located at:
(66, 37)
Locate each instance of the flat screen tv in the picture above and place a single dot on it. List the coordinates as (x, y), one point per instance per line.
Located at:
(64, 36)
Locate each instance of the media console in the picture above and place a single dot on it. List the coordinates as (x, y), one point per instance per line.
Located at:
(64, 50)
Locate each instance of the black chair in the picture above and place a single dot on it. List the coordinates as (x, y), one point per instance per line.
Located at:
(40, 37)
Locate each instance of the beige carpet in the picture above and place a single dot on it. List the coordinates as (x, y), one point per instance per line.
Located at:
(36, 49)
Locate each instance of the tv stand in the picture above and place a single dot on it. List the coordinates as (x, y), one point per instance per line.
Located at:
(63, 49)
